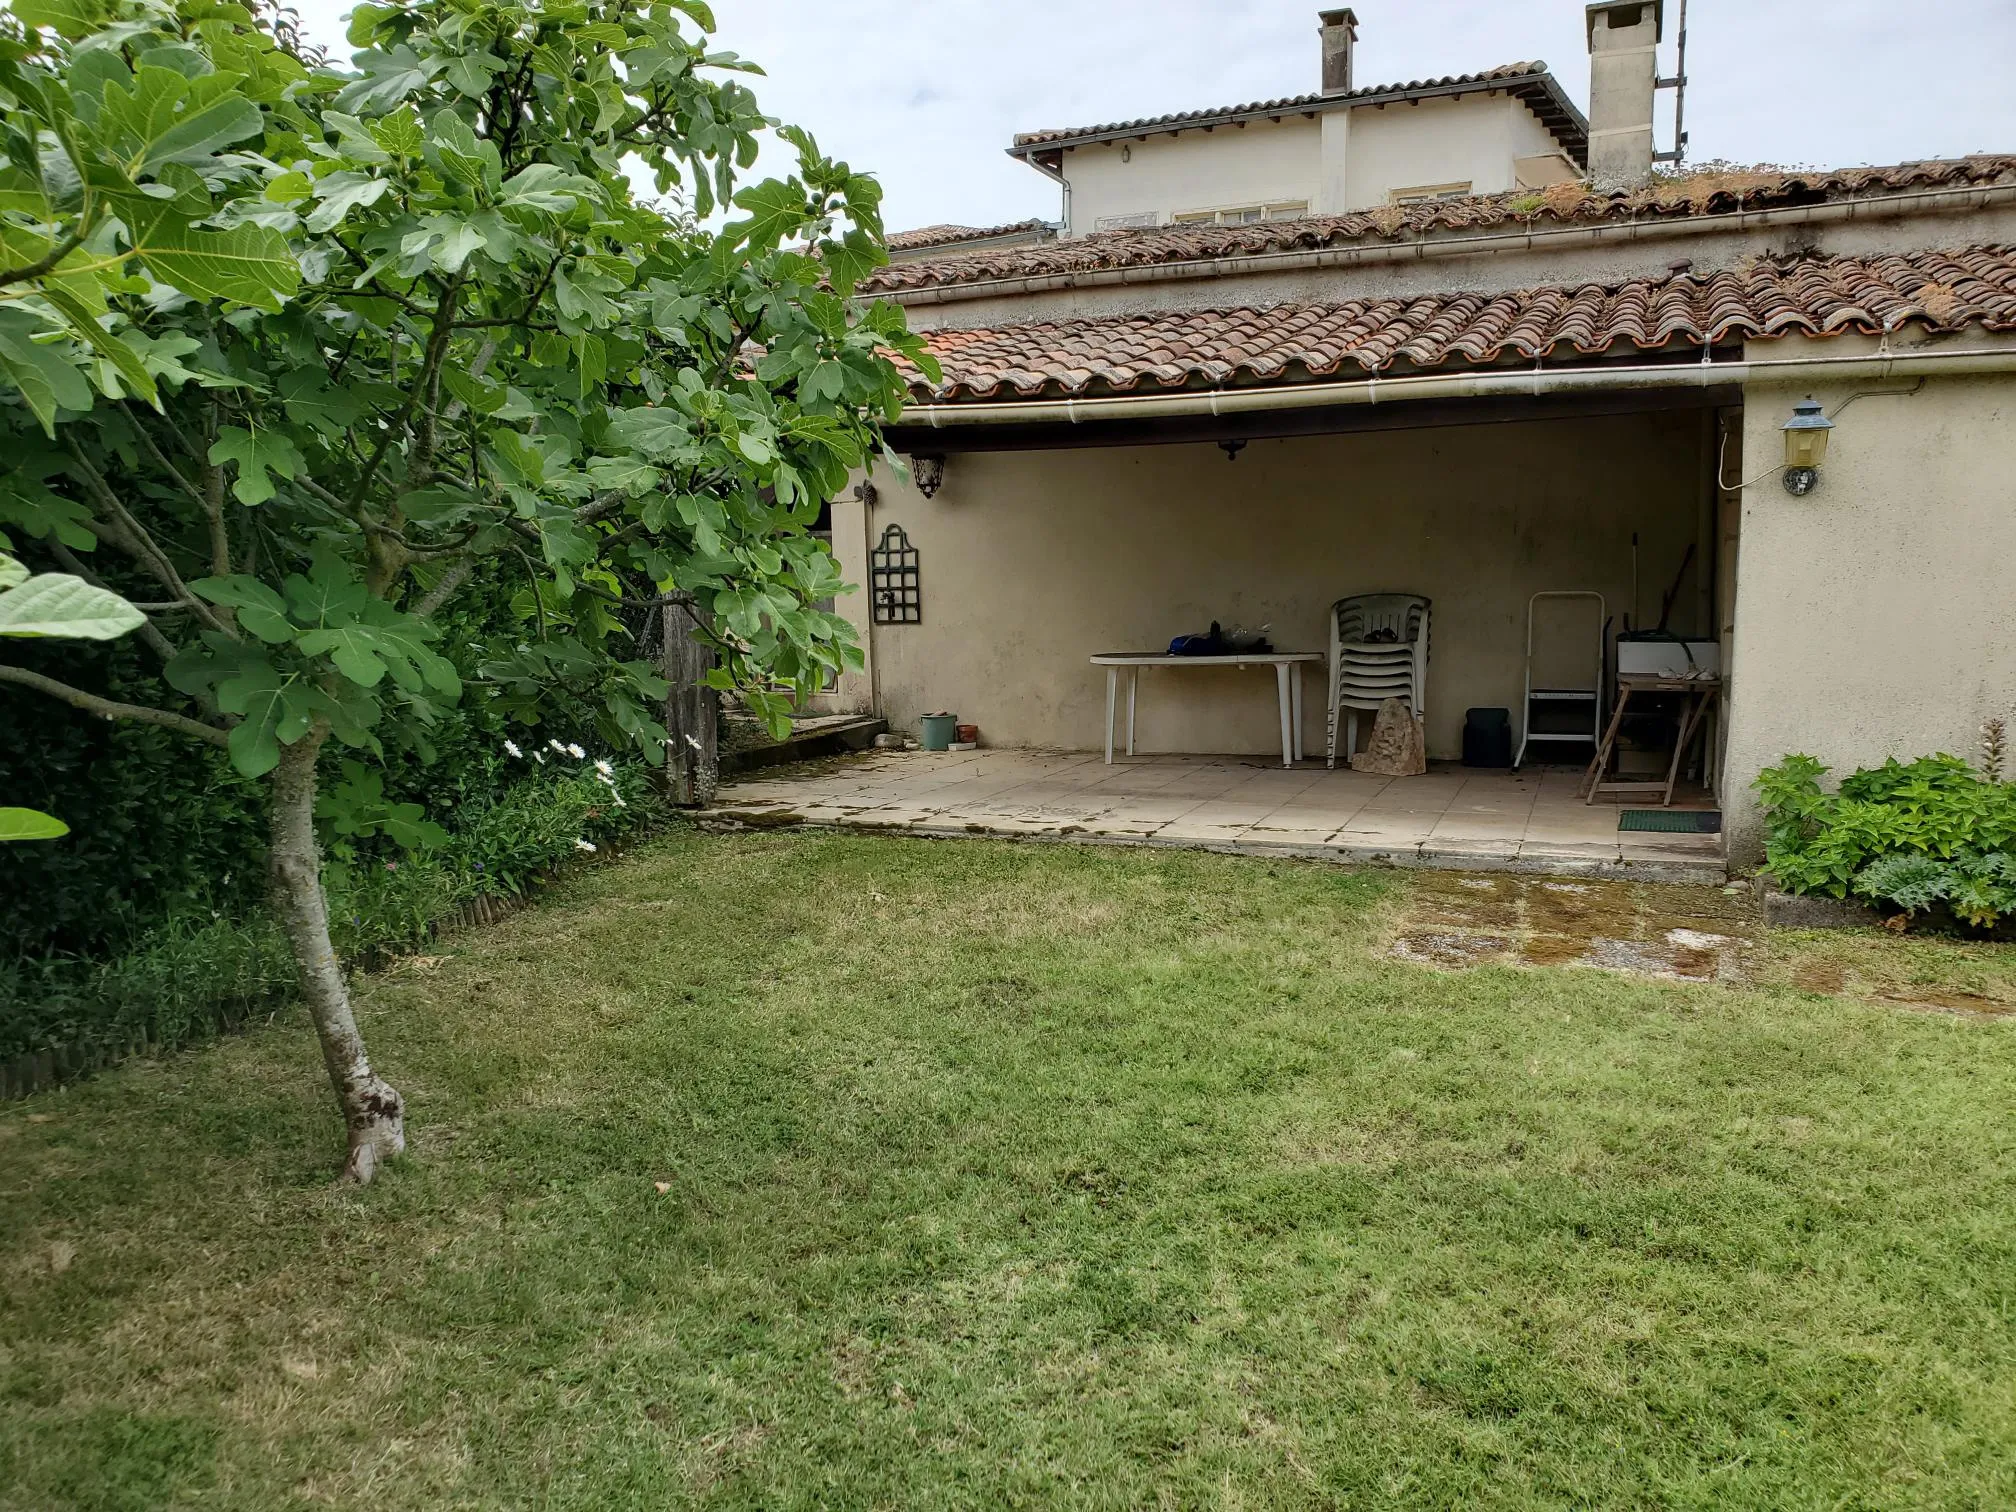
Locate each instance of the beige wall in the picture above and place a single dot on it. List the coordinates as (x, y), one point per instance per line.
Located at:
(1876, 616)
(1197, 170)
(1344, 160)
(1468, 140)
(1033, 561)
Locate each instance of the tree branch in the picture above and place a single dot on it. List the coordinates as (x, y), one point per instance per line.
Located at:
(441, 592)
(91, 703)
(47, 262)
(149, 633)
(210, 497)
(423, 383)
(213, 500)
(143, 544)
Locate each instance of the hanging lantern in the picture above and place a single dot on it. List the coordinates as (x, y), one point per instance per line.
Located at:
(1805, 446)
(928, 473)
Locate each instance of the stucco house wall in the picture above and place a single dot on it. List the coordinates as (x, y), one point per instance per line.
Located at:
(1462, 141)
(1476, 139)
(1196, 170)
(1034, 561)
(1876, 616)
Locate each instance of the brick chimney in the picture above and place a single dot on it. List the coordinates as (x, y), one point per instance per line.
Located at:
(1623, 75)
(1339, 30)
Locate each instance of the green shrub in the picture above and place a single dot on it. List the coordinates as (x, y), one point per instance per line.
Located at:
(391, 900)
(184, 977)
(162, 832)
(180, 976)
(1913, 834)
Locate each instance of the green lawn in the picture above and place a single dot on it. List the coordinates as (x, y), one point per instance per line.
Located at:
(1014, 1175)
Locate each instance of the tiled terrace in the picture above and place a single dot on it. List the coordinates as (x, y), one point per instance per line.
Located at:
(1450, 817)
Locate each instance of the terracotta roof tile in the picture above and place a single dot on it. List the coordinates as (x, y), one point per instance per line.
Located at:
(1971, 286)
(949, 235)
(1177, 120)
(1703, 193)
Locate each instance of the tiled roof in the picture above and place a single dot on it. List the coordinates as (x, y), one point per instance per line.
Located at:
(945, 236)
(1703, 193)
(1529, 80)
(1293, 343)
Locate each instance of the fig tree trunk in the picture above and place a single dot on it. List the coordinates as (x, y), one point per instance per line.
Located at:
(373, 1112)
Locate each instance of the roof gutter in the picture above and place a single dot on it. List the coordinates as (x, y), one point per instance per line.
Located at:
(1467, 385)
(1425, 249)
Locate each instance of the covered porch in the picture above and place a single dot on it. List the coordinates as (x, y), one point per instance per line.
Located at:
(1039, 550)
(1532, 821)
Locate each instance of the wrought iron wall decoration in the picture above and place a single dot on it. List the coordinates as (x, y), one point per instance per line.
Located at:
(893, 579)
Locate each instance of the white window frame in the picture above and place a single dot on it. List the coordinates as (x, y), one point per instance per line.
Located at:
(1242, 215)
(1427, 194)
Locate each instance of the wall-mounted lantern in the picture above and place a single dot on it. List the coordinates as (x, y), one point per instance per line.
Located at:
(1805, 446)
(928, 473)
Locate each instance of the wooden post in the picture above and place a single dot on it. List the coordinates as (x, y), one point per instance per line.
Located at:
(692, 711)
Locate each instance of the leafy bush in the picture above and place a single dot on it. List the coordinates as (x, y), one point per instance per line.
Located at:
(184, 973)
(185, 976)
(502, 849)
(1913, 834)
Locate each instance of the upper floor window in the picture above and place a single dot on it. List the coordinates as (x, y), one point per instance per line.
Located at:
(1422, 194)
(1241, 215)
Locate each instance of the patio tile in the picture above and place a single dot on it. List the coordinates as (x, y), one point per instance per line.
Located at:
(1188, 828)
(1359, 832)
(1153, 809)
(1224, 815)
(1457, 833)
(1553, 850)
(1448, 817)
(1471, 853)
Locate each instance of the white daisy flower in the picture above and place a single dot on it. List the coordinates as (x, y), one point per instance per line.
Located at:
(586, 845)
(512, 747)
(577, 753)
(604, 768)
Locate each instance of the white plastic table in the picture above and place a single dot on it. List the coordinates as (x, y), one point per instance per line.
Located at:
(1288, 688)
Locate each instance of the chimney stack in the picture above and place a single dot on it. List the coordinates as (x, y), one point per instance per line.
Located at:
(1340, 32)
(1623, 76)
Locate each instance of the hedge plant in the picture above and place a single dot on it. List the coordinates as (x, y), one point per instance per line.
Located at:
(1915, 835)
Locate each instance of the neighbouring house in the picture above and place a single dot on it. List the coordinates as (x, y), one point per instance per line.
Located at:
(1452, 338)
(959, 241)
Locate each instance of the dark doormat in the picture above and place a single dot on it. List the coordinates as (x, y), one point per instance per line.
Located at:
(1672, 821)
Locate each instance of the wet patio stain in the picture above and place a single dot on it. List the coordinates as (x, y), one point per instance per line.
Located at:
(1429, 948)
(1685, 934)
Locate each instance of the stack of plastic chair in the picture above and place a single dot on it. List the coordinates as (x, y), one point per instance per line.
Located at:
(1378, 650)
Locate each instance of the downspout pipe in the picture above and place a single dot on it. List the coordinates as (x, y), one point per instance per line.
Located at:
(1467, 385)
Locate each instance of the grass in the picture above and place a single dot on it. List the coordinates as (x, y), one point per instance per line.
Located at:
(1007, 1175)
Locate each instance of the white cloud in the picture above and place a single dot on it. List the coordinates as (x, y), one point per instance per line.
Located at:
(928, 94)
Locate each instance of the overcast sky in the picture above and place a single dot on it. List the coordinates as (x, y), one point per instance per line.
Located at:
(927, 93)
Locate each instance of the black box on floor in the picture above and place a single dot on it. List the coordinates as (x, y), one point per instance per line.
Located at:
(1487, 738)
